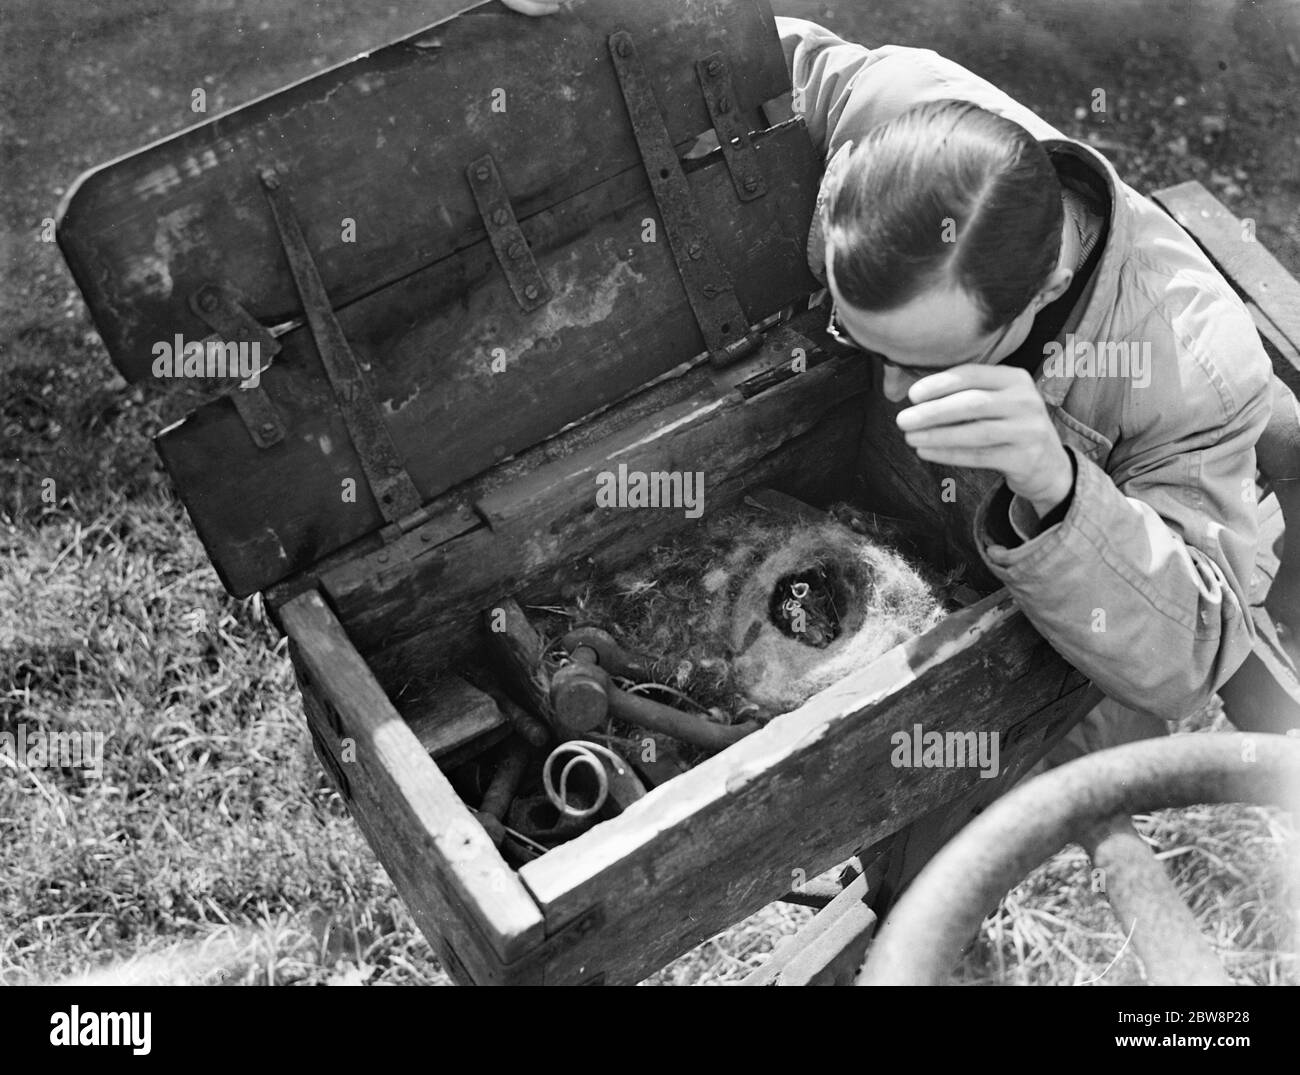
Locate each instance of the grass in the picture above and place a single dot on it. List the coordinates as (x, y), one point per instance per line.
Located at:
(212, 848)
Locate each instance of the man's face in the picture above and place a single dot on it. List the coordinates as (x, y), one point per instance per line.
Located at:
(939, 328)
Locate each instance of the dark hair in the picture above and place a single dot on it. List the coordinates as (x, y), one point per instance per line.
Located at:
(947, 192)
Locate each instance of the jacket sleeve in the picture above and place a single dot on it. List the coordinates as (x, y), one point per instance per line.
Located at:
(1144, 585)
(842, 90)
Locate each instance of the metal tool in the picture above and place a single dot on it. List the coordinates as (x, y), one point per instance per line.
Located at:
(537, 819)
(615, 780)
(606, 652)
(583, 696)
(501, 791)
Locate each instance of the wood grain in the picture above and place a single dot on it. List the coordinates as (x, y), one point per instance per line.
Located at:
(383, 139)
(452, 719)
(617, 319)
(452, 877)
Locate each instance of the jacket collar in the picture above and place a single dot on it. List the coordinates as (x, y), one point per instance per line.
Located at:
(1092, 315)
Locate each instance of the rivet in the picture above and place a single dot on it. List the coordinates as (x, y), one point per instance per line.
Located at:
(208, 301)
(623, 47)
(426, 537)
(714, 67)
(483, 172)
(750, 185)
(269, 179)
(383, 557)
(268, 427)
(724, 104)
(694, 250)
(516, 250)
(531, 292)
(500, 216)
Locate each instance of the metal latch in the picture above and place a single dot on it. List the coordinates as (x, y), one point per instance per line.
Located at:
(219, 307)
(733, 133)
(505, 234)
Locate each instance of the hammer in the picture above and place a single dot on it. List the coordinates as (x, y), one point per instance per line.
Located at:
(582, 695)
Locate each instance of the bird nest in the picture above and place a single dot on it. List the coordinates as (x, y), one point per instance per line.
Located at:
(751, 612)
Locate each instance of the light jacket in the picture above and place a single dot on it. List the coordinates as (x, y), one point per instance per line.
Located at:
(1143, 586)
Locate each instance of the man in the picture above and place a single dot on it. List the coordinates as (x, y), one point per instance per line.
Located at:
(1125, 523)
(1049, 324)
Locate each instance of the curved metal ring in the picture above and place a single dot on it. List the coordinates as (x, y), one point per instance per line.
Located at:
(584, 752)
(936, 917)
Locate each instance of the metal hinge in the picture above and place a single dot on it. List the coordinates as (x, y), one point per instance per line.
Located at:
(390, 484)
(718, 312)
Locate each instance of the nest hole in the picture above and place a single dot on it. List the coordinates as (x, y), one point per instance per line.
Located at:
(809, 605)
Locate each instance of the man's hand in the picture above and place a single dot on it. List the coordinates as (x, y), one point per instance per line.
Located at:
(534, 7)
(990, 417)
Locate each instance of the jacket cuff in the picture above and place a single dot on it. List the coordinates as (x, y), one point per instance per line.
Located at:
(1025, 520)
(1006, 522)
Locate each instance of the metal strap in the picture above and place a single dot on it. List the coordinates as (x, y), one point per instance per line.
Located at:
(708, 288)
(220, 309)
(391, 485)
(733, 133)
(507, 238)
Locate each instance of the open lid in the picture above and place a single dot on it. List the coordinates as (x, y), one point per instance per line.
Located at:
(462, 241)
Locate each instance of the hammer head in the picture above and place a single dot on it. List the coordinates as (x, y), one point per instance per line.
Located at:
(580, 697)
(608, 653)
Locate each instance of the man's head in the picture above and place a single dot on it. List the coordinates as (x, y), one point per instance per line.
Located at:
(943, 239)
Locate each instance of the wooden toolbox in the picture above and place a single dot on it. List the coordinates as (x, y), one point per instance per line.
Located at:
(483, 265)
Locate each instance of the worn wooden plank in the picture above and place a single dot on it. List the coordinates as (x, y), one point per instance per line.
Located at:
(465, 377)
(383, 140)
(891, 864)
(826, 950)
(1272, 294)
(436, 918)
(517, 652)
(551, 520)
(804, 793)
(451, 718)
(447, 869)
